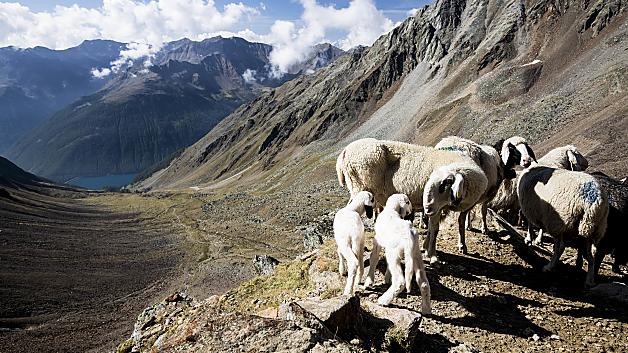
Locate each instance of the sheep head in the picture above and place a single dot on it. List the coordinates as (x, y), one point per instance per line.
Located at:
(444, 188)
(401, 204)
(365, 199)
(577, 161)
(516, 150)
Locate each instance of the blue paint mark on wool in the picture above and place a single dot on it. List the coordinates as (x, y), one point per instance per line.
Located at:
(590, 192)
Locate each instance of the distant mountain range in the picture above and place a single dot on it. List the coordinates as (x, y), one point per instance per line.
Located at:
(36, 82)
(144, 114)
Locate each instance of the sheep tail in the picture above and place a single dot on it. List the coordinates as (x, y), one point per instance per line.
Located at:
(339, 165)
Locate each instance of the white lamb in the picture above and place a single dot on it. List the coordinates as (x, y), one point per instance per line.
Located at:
(400, 241)
(349, 235)
(565, 157)
(454, 187)
(565, 204)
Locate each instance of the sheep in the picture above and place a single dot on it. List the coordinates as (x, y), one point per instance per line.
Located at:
(349, 236)
(515, 150)
(566, 204)
(614, 240)
(491, 163)
(456, 187)
(390, 167)
(506, 199)
(400, 241)
(565, 157)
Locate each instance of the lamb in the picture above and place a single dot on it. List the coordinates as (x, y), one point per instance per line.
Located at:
(566, 204)
(565, 157)
(349, 235)
(456, 187)
(491, 163)
(390, 167)
(400, 241)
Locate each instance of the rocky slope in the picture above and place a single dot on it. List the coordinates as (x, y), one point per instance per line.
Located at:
(144, 115)
(553, 72)
(36, 82)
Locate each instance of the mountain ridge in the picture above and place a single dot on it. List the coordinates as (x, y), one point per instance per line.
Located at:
(480, 69)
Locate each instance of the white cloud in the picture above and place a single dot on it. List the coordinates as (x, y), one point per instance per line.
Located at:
(155, 22)
(361, 20)
(152, 22)
(249, 76)
(412, 12)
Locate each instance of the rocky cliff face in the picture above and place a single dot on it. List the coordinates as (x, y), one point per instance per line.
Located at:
(553, 72)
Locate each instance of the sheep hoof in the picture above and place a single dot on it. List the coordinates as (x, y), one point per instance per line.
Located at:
(426, 310)
(462, 248)
(527, 241)
(485, 231)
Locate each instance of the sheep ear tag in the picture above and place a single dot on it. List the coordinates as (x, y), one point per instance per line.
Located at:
(457, 189)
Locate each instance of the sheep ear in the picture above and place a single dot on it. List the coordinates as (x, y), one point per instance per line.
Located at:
(498, 145)
(505, 153)
(449, 181)
(530, 152)
(457, 189)
(573, 160)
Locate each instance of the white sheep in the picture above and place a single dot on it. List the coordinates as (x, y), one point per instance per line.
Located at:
(400, 241)
(566, 204)
(565, 157)
(454, 187)
(349, 235)
(389, 167)
(487, 158)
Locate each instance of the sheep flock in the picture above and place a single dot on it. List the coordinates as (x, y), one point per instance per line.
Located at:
(553, 195)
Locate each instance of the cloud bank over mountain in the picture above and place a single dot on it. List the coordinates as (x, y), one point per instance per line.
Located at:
(149, 24)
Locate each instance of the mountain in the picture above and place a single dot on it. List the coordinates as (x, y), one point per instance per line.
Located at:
(553, 72)
(13, 176)
(36, 82)
(145, 114)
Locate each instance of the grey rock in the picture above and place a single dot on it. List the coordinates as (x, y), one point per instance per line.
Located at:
(405, 322)
(265, 264)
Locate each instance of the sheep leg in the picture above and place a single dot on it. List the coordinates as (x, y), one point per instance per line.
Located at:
(539, 238)
(421, 279)
(387, 275)
(484, 210)
(341, 263)
(430, 241)
(598, 257)
(409, 269)
(374, 259)
(559, 247)
(352, 264)
(394, 264)
(588, 255)
(462, 246)
(530, 235)
(358, 249)
(469, 221)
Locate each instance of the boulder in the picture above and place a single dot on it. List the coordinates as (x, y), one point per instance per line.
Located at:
(340, 315)
(405, 322)
(265, 264)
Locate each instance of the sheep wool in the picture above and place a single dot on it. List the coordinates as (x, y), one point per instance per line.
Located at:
(565, 157)
(566, 204)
